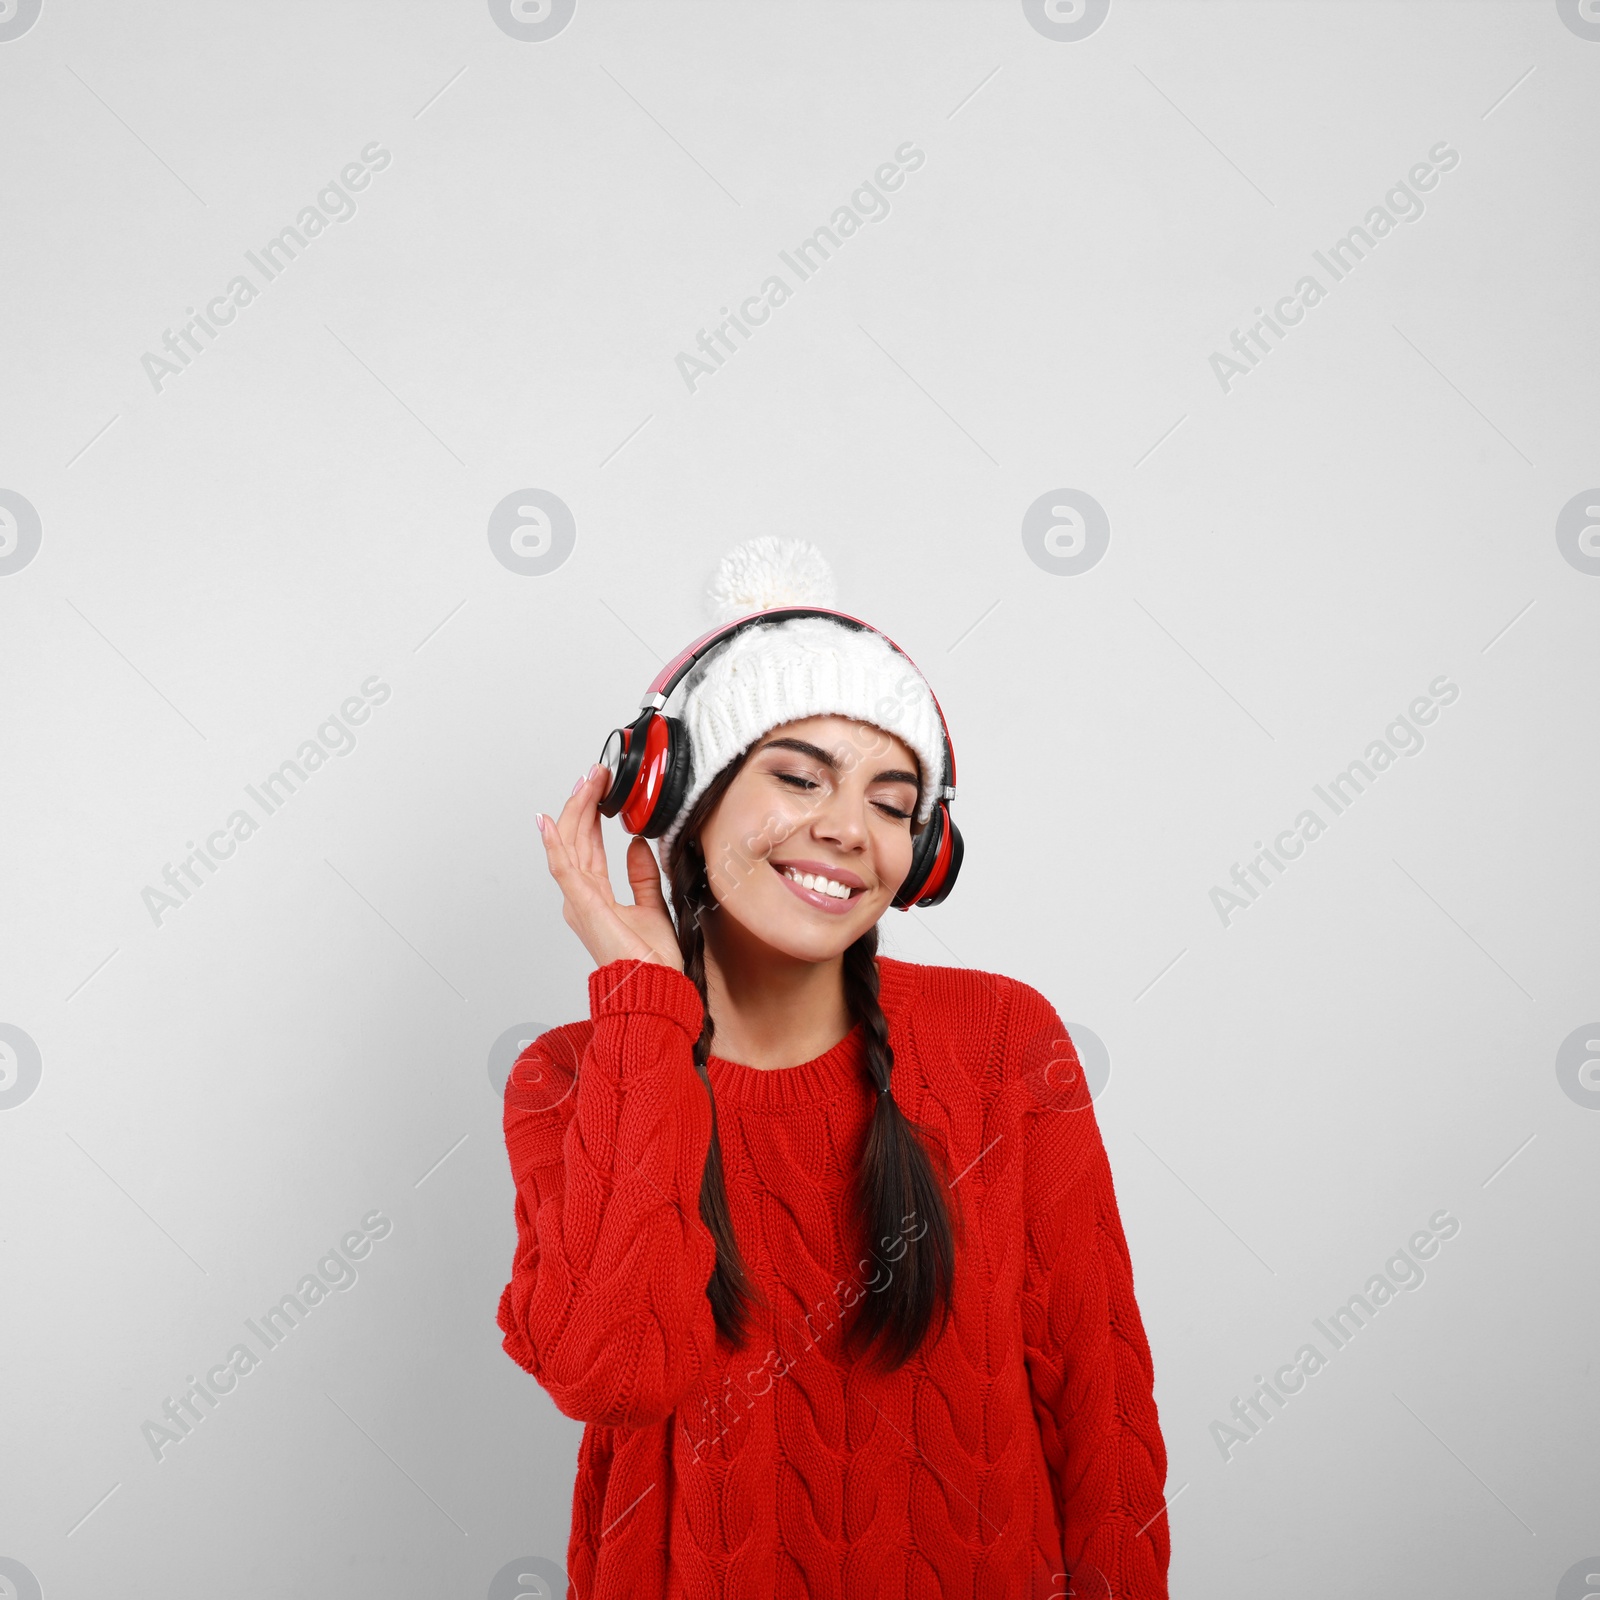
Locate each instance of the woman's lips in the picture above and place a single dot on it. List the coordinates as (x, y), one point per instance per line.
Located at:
(823, 902)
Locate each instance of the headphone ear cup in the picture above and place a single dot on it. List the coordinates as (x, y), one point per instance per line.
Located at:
(675, 783)
(624, 756)
(935, 861)
(945, 878)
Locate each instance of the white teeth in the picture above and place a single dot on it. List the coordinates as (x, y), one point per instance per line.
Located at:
(809, 880)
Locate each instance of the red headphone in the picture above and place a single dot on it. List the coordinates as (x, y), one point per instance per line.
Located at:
(650, 765)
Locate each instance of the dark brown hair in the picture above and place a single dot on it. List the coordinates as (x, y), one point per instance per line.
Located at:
(896, 1184)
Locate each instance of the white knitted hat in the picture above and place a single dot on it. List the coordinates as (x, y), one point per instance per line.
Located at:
(779, 672)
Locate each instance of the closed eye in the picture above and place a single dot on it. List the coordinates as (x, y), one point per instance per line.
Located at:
(809, 783)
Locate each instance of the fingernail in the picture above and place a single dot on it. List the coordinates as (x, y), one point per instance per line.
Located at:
(577, 786)
(538, 818)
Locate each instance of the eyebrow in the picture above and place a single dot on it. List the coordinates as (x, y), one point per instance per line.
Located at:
(888, 775)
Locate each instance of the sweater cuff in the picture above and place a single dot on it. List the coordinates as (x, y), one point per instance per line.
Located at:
(629, 987)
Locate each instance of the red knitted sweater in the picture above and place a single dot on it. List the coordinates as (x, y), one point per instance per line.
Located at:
(1019, 1447)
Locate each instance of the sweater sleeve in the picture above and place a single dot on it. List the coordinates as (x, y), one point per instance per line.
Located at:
(1087, 1356)
(607, 1303)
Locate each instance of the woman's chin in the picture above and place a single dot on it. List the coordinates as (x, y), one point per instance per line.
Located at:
(805, 935)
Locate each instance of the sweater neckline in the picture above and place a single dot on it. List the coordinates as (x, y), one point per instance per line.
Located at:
(825, 1076)
(777, 1088)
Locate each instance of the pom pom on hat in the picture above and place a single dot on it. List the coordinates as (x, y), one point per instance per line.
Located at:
(780, 672)
(767, 572)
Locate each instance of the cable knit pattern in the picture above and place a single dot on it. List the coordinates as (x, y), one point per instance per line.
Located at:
(1019, 1447)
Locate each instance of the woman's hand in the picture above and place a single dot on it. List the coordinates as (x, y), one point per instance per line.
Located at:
(576, 856)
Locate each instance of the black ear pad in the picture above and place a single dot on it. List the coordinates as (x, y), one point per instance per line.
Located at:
(924, 852)
(680, 767)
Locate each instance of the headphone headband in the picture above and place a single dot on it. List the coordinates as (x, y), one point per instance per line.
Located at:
(668, 678)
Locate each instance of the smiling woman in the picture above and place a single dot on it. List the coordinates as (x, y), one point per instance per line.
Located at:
(802, 844)
(845, 1301)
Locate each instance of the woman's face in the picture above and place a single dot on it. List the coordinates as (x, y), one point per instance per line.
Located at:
(827, 797)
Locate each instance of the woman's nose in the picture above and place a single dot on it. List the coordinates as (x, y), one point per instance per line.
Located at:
(841, 818)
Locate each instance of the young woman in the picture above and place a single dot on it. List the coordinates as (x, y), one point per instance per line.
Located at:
(822, 1245)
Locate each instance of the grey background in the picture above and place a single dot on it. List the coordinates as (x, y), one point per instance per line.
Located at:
(222, 1096)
